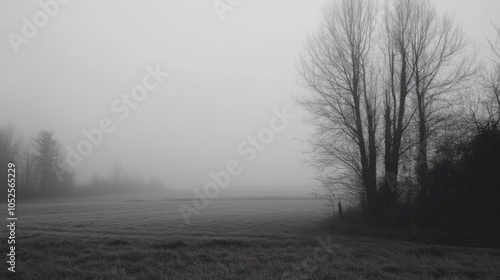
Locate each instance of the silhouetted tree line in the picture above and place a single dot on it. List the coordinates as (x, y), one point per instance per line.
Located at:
(39, 164)
(406, 117)
(119, 181)
(37, 159)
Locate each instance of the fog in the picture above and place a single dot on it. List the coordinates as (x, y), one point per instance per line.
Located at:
(227, 79)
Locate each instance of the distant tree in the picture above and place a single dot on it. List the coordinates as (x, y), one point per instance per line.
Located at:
(117, 174)
(97, 181)
(29, 173)
(9, 150)
(9, 143)
(66, 182)
(47, 159)
(156, 184)
(337, 69)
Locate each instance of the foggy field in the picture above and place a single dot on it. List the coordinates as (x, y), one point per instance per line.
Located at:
(231, 139)
(230, 239)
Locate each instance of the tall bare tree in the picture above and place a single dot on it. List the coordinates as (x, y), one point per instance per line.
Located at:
(426, 59)
(337, 69)
(441, 63)
(398, 86)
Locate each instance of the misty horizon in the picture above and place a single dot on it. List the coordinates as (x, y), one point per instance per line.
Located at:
(225, 78)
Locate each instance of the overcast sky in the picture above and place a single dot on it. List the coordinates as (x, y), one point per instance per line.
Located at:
(226, 78)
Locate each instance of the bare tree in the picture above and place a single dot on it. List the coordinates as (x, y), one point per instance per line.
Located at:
(486, 114)
(495, 45)
(426, 59)
(398, 86)
(117, 174)
(441, 63)
(337, 69)
(487, 109)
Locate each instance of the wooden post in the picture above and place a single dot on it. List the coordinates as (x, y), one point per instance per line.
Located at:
(340, 211)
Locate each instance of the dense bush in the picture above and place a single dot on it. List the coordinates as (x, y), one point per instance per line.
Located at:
(465, 184)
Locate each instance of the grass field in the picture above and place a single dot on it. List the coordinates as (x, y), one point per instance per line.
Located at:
(230, 239)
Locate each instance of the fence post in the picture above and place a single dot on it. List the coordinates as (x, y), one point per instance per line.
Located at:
(340, 211)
